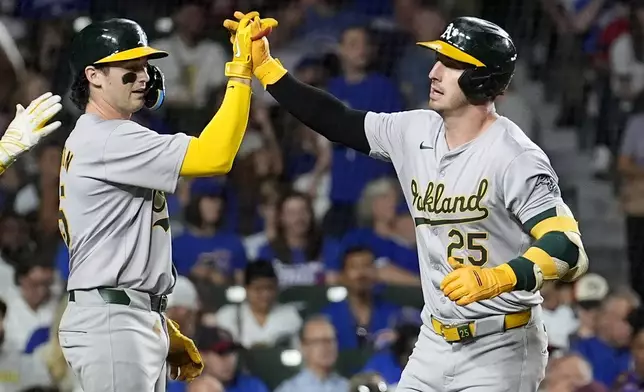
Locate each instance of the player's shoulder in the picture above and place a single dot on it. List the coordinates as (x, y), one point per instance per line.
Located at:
(513, 142)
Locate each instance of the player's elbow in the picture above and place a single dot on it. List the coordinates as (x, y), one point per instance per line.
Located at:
(580, 266)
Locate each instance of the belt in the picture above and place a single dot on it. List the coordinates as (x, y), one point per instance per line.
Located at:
(453, 333)
(158, 303)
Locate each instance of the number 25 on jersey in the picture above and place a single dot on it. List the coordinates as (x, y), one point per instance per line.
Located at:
(471, 243)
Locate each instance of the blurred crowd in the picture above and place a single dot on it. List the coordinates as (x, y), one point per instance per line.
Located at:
(298, 270)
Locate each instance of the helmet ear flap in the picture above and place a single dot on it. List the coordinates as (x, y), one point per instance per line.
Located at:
(477, 85)
(481, 84)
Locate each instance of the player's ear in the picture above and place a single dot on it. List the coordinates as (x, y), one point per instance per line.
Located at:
(94, 76)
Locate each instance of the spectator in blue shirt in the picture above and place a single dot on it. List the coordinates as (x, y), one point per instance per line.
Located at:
(219, 352)
(360, 89)
(633, 380)
(411, 68)
(205, 250)
(297, 250)
(378, 218)
(389, 363)
(320, 352)
(362, 315)
(608, 352)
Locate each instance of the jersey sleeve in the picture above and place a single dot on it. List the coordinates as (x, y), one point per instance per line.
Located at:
(137, 156)
(384, 133)
(530, 185)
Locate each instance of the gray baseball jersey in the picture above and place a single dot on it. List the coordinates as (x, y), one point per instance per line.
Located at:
(113, 212)
(469, 202)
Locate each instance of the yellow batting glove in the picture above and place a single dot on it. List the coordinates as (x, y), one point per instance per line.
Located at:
(183, 356)
(28, 127)
(265, 68)
(468, 283)
(241, 66)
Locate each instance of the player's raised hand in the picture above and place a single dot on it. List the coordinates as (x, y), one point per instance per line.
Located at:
(242, 66)
(265, 68)
(468, 283)
(29, 126)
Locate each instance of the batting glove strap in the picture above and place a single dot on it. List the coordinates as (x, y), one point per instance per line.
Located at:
(238, 70)
(270, 72)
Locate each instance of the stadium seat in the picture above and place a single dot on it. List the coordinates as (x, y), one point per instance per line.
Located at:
(404, 296)
(351, 362)
(308, 299)
(271, 365)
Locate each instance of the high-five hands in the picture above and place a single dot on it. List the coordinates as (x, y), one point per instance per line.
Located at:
(265, 68)
(246, 30)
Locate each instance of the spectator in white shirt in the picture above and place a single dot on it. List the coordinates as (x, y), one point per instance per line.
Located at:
(260, 320)
(17, 370)
(32, 305)
(559, 318)
(195, 65)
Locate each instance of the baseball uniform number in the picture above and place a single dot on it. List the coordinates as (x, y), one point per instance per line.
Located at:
(469, 241)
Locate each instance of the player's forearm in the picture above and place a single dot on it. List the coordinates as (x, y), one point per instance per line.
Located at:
(213, 152)
(321, 112)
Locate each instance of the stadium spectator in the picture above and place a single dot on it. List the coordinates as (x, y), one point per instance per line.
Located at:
(320, 352)
(631, 169)
(559, 318)
(32, 305)
(204, 383)
(633, 379)
(362, 89)
(269, 196)
(570, 373)
(221, 361)
(15, 245)
(260, 321)
(206, 250)
(377, 214)
(298, 250)
(363, 314)
(589, 292)
(190, 69)
(184, 305)
(38, 199)
(18, 370)
(608, 352)
(390, 362)
(413, 66)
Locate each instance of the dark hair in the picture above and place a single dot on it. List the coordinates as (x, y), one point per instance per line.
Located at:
(366, 29)
(79, 94)
(3, 308)
(192, 213)
(351, 251)
(258, 269)
(636, 320)
(637, 31)
(314, 238)
(31, 261)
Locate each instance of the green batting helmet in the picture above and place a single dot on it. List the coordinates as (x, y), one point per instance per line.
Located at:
(109, 41)
(486, 48)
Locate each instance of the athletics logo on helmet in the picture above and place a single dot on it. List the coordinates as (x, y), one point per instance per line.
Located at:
(486, 47)
(110, 41)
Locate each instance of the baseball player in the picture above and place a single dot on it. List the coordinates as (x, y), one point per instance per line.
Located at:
(28, 128)
(490, 222)
(113, 212)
